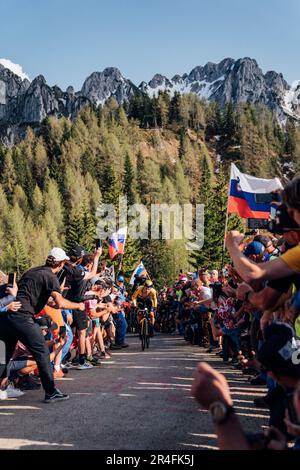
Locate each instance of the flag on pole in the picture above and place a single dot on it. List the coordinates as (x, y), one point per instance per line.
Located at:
(116, 243)
(139, 271)
(247, 194)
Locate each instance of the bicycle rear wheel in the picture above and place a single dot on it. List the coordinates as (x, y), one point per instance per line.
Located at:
(143, 335)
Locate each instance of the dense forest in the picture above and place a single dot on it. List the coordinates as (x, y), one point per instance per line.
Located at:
(159, 150)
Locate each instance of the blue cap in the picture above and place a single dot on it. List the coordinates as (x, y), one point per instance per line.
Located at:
(254, 248)
(121, 279)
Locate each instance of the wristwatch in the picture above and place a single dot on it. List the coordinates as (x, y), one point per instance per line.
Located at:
(220, 412)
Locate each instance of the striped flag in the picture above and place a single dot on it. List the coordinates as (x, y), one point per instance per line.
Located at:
(248, 195)
(139, 271)
(116, 243)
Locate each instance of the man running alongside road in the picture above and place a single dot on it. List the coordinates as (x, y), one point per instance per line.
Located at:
(34, 289)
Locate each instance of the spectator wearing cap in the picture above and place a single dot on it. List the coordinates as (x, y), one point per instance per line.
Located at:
(34, 289)
(271, 252)
(204, 277)
(254, 251)
(76, 281)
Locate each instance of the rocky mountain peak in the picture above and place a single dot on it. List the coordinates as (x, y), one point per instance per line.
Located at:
(25, 103)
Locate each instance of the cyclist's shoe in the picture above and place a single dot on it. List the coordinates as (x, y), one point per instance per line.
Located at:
(124, 345)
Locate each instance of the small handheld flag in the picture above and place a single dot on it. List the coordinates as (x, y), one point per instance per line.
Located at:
(116, 243)
(139, 271)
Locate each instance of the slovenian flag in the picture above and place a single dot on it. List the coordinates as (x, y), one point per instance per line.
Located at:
(140, 271)
(116, 243)
(247, 193)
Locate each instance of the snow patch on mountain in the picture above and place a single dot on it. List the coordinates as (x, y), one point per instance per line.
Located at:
(15, 68)
(291, 100)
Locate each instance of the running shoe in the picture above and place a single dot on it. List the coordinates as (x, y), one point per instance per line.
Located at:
(57, 395)
(13, 392)
(95, 361)
(86, 365)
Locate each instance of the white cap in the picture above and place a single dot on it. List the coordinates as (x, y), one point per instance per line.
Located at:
(58, 254)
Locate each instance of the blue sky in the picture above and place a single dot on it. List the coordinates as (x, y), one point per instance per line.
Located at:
(66, 40)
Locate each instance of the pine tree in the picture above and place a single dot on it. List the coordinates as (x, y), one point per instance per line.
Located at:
(110, 188)
(9, 177)
(38, 204)
(210, 255)
(157, 259)
(89, 235)
(131, 256)
(17, 252)
(54, 206)
(75, 230)
(128, 181)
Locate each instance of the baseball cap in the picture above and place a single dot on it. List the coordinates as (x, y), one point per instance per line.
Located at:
(277, 350)
(121, 278)
(77, 250)
(254, 248)
(58, 254)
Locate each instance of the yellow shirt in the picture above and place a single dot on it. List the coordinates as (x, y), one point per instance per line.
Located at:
(292, 258)
(138, 293)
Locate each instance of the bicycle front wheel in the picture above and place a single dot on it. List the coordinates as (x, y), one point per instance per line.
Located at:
(147, 341)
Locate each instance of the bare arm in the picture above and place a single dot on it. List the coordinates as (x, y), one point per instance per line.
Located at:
(61, 302)
(56, 351)
(99, 312)
(265, 298)
(208, 387)
(93, 272)
(250, 271)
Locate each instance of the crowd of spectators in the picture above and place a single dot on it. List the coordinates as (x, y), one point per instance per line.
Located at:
(71, 313)
(67, 314)
(252, 322)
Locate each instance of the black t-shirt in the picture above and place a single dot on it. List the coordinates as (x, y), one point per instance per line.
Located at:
(35, 287)
(75, 282)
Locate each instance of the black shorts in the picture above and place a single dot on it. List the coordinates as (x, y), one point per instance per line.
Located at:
(80, 320)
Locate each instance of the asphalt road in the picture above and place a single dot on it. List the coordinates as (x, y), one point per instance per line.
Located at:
(133, 401)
